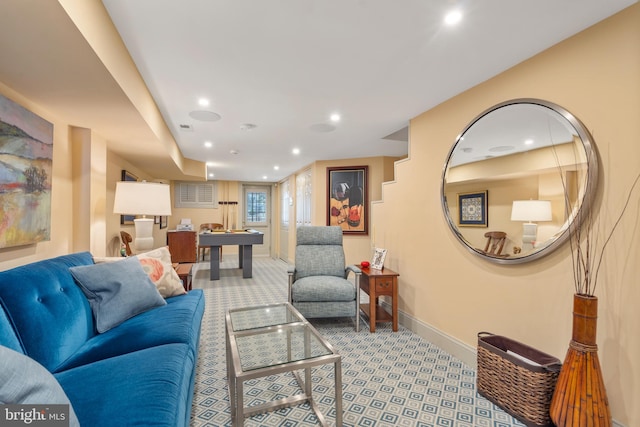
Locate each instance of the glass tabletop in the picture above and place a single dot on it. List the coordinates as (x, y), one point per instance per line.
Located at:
(243, 319)
(277, 347)
(271, 335)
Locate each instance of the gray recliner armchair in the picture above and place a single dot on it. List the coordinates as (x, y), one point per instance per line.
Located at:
(318, 283)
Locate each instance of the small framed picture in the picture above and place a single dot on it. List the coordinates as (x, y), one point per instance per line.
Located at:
(472, 209)
(379, 255)
(164, 221)
(127, 176)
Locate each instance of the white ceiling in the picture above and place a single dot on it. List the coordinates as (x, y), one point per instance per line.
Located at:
(283, 65)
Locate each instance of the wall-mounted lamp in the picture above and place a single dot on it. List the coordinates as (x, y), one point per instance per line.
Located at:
(142, 198)
(529, 211)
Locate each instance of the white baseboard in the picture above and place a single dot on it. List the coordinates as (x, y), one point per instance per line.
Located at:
(454, 347)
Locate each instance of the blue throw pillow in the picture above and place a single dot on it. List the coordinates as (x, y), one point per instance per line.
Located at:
(26, 382)
(117, 291)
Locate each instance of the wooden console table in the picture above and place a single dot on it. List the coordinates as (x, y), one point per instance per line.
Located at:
(376, 283)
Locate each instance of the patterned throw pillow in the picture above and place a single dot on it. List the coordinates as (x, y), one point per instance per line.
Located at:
(157, 264)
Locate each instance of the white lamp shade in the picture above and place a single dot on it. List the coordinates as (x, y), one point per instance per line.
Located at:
(142, 198)
(531, 210)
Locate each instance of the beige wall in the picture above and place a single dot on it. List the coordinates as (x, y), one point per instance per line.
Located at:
(595, 75)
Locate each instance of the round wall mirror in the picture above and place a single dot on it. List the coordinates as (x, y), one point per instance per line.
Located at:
(516, 178)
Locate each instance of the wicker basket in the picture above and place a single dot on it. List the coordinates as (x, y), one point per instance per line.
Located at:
(516, 377)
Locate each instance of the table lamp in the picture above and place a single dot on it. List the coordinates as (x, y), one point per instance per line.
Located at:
(529, 211)
(142, 198)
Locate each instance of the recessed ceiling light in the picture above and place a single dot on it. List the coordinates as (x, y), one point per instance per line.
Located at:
(208, 144)
(276, 167)
(234, 152)
(203, 102)
(453, 17)
(211, 175)
(335, 117)
(528, 141)
(296, 151)
(264, 176)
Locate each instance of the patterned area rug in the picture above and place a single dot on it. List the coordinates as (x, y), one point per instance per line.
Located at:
(388, 378)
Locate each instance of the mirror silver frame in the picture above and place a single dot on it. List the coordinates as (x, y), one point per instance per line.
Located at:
(583, 206)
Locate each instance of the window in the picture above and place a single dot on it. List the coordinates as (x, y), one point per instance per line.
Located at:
(256, 207)
(196, 195)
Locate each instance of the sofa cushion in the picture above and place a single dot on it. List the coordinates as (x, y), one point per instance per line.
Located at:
(153, 386)
(25, 381)
(177, 322)
(50, 314)
(117, 291)
(323, 288)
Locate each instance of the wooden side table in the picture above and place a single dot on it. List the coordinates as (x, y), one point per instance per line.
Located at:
(376, 283)
(184, 271)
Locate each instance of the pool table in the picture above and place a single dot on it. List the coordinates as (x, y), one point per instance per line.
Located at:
(245, 239)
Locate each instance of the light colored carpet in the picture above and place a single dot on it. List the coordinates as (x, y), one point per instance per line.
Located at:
(389, 378)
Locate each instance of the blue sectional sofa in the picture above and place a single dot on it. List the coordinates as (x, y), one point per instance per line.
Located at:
(138, 372)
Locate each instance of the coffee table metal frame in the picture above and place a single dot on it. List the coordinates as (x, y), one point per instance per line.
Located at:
(237, 376)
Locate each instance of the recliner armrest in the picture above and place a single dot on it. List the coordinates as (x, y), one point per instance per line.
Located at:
(354, 269)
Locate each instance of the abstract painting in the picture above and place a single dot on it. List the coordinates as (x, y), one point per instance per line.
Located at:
(26, 154)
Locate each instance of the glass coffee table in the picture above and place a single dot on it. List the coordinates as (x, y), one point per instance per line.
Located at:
(272, 339)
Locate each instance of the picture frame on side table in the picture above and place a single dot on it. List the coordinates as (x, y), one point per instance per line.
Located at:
(347, 199)
(377, 262)
(164, 221)
(472, 209)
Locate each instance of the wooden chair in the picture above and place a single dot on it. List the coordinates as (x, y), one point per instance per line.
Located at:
(126, 239)
(495, 243)
(205, 227)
